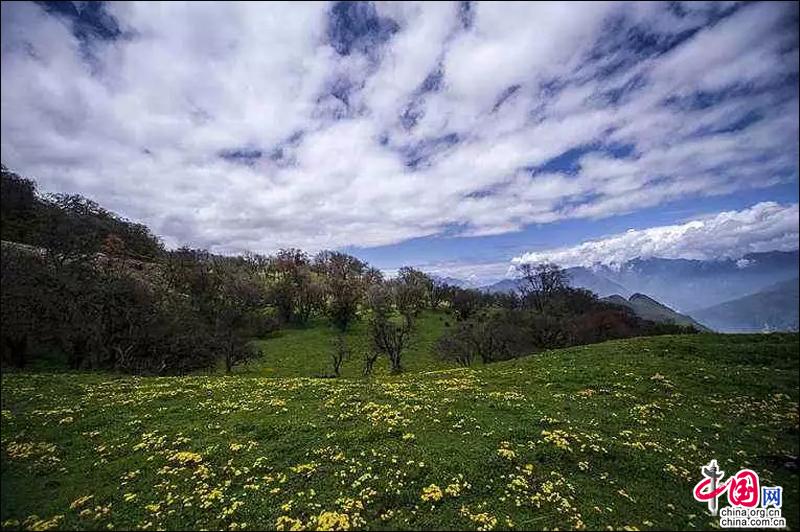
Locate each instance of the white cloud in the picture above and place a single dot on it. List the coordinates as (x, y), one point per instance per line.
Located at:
(139, 123)
(765, 226)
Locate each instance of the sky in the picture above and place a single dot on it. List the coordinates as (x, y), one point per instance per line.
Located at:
(462, 138)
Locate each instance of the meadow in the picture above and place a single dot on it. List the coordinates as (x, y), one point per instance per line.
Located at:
(304, 351)
(610, 435)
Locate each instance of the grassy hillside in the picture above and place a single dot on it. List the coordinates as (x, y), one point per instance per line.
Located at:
(305, 351)
(609, 435)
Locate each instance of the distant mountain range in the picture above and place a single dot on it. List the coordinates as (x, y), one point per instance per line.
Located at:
(700, 288)
(686, 285)
(771, 309)
(452, 281)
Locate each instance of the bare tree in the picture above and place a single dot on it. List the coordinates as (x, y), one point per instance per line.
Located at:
(540, 283)
(465, 303)
(437, 293)
(390, 339)
(409, 298)
(340, 353)
(474, 339)
(370, 357)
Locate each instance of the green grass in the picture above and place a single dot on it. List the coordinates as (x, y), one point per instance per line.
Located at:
(305, 351)
(608, 435)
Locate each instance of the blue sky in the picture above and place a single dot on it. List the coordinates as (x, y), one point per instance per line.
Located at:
(459, 137)
(456, 255)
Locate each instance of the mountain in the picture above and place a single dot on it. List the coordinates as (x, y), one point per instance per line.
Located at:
(506, 285)
(643, 306)
(578, 278)
(649, 309)
(599, 284)
(453, 281)
(682, 284)
(774, 308)
(693, 284)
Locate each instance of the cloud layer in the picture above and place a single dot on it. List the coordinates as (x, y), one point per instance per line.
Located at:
(765, 226)
(254, 126)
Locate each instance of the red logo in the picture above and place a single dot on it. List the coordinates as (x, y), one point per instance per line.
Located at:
(742, 488)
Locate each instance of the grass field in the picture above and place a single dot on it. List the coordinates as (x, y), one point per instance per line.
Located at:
(609, 435)
(305, 351)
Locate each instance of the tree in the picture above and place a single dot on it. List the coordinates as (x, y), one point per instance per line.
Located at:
(224, 294)
(437, 293)
(310, 296)
(281, 294)
(387, 337)
(465, 303)
(25, 301)
(294, 289)
(390, 339)
(410, 294)
(235, 303)
(506, 300)
(68, 224)
(339, 354)
(488, 339)
(17, 206)
(540, 283)
(453, 345)
(74, 225)
(419, 282)
(372, 276)
(379, 301)
(344, 285)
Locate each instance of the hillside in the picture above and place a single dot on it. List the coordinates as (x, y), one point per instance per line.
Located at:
(774, 308)
(649, 309)
(305, 351)
(609, 435)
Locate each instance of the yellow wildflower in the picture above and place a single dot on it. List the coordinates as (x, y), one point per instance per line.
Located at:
(431, 493)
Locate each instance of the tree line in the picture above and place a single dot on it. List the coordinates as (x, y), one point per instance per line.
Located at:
(543, 313)
(80, 281)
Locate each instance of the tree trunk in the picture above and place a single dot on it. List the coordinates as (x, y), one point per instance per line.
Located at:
(19, 351)
(78, 352)
(369, 361)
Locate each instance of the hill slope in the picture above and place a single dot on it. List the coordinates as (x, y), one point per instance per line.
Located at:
(774, 308)
(598, 436)
(649, 309)
(305, 351)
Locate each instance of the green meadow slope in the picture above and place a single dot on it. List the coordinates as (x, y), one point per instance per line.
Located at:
(608, 435)
(305, 351)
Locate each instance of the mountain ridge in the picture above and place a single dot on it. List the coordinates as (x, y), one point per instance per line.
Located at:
(682, 284)
(648, 308)
(774, 308)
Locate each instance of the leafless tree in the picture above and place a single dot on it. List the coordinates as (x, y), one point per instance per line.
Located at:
(539, 284)
(340, 353)
(390, 339)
